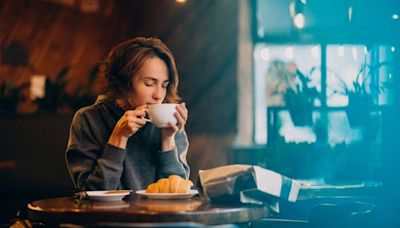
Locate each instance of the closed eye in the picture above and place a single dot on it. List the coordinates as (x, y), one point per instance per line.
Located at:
(150, 82)
(153, 82)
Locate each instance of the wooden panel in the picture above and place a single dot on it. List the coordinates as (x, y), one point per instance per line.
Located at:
(202, 35)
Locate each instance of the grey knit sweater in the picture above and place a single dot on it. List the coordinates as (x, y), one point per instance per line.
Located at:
(96, 165)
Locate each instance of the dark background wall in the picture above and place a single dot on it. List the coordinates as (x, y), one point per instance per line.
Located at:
(50, 35)
(202, 35)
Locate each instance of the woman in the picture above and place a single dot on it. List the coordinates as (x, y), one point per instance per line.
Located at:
(110, 144)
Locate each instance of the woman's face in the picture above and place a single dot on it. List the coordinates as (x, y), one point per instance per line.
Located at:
(150, 83)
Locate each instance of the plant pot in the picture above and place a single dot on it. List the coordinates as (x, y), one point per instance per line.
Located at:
(358, 117)
(301, 116)
(359, 110)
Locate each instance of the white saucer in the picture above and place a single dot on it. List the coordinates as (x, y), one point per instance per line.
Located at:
(113, 195)
(187, 195)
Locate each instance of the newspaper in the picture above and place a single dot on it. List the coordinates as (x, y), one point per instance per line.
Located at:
(247, 184)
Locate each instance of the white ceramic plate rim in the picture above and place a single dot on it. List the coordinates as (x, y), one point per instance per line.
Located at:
(105, 194)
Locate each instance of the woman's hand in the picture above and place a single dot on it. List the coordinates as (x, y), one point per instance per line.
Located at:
(127, 126)
(168, 134)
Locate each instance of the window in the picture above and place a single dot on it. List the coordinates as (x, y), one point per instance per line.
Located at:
(348, 68)
(272, 78)
(345, 66)
(340, 69)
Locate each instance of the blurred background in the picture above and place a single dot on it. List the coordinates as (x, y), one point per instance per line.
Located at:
(306, 88)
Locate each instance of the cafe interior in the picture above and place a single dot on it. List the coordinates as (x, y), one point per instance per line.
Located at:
(307, 89)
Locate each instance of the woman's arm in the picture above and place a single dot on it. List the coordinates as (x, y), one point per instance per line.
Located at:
(173, 162)
(92, 164)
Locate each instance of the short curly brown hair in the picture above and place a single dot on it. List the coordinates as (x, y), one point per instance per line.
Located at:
(125, 60)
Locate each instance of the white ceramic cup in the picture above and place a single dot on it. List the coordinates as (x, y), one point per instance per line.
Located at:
(162, 114)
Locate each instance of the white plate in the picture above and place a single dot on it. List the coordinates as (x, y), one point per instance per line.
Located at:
(115, 195)
(168, 195)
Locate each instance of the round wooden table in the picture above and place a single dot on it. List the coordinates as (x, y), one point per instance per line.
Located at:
(137, 209)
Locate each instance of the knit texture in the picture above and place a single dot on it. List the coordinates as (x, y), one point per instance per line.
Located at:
(96, 165)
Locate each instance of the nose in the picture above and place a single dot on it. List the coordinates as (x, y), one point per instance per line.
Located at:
(159, 93)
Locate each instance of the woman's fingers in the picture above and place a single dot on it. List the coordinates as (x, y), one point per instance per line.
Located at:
(132, 121)
(182, 111)
(180, 121)
(181, 115)
(135, 113)
(174, 127)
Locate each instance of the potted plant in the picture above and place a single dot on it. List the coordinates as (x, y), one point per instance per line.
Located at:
(300, 100)
(55, 94)
(360, 100)
(11, 95)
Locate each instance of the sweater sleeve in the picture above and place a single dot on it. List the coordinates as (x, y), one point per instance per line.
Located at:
(174, 162)
(92, 166)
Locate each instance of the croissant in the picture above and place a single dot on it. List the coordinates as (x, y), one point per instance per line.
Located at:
(172, 184)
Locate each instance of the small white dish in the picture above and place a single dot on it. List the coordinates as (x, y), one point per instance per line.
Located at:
(187, 195)
(110, 195)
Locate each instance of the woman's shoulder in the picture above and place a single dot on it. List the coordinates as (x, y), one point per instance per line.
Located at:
(101, 104)
(96, 120)
(87, 110)
(84, 114)
(96, 110)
